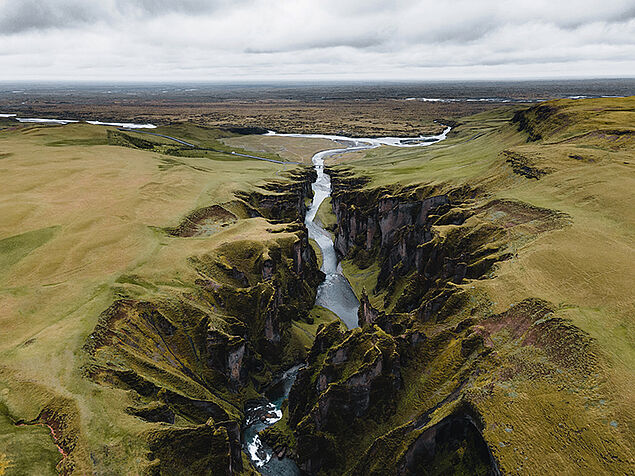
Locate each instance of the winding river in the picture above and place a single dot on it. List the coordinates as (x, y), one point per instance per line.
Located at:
(63, 122)
(335, 293)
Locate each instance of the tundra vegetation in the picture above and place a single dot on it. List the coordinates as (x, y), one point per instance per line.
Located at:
(149, 292)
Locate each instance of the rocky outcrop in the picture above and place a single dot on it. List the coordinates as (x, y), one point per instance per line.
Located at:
(191, 357)
(202, 449)
(350, 376)
(199, 221)
(281, 201)
(367, 315)
(154, 412)
(374, 219)
(530, 120)
(455, 432)
(426, 242)
(399, 230)
(523, 166)
(453, 444)
(230, 355)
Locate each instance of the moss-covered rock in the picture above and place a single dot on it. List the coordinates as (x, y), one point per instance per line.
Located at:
(195, 358)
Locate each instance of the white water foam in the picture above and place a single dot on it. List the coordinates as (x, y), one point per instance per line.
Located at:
(254, 448)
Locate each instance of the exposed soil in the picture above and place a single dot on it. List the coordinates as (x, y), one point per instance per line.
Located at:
(204, 222)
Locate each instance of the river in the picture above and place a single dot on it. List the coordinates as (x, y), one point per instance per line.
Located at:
(335, 293)
(62, 122)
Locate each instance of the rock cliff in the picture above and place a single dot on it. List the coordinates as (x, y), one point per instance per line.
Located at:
(195, 358)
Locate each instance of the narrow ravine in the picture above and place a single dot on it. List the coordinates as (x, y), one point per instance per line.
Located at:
(335, 294)
(263, 414)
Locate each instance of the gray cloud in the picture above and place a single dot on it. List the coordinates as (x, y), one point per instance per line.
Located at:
(154, 8)
(357, 43)
(23, 15)
(221, 39)
(19, 16)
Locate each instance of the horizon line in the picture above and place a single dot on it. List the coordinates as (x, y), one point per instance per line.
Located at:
(320, 80)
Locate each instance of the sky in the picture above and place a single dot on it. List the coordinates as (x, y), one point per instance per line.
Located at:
(217, 40)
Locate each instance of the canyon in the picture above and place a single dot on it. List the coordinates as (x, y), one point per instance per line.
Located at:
(480, 332)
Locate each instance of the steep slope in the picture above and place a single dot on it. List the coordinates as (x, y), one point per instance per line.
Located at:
(496, 280)
(145, 298)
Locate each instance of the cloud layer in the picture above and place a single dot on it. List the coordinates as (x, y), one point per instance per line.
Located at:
(304, 39)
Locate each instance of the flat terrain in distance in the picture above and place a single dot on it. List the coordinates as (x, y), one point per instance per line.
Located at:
(353, 109)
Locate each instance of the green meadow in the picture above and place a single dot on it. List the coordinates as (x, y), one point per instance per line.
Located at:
(88, 218)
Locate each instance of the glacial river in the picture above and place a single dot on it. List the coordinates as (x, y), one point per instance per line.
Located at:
(335, 294)
(62, 122)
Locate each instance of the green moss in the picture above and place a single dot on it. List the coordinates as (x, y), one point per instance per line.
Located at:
(326, 216)
(361, 279)
(318, 253)
(280, 433)
(199, 450)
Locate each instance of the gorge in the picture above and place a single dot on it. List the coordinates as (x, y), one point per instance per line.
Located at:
(334, 293)
(400, 310)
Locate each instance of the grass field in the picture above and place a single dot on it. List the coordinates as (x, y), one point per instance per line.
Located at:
(82, 223)
(85, 222)
(290, 149)
(583, 153)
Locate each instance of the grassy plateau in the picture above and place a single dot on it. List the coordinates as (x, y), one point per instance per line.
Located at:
(149, 290)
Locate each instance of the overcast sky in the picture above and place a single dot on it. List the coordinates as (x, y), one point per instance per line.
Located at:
(315, 39)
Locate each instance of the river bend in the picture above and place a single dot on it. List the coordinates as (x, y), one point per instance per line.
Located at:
(335, 294)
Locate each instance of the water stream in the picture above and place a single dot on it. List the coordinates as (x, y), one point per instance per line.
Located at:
(335, 294)
(262, 414)
(39, 120)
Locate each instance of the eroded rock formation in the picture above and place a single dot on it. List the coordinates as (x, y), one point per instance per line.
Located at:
(192, 357)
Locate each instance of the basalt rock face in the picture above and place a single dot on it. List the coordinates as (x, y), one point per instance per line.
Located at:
(401, 232)
(279, 288)
(192, 359)
(351, 380)
(453, 445)
(367, 315)
(281, 201)
(403, 383)
(202, 449)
